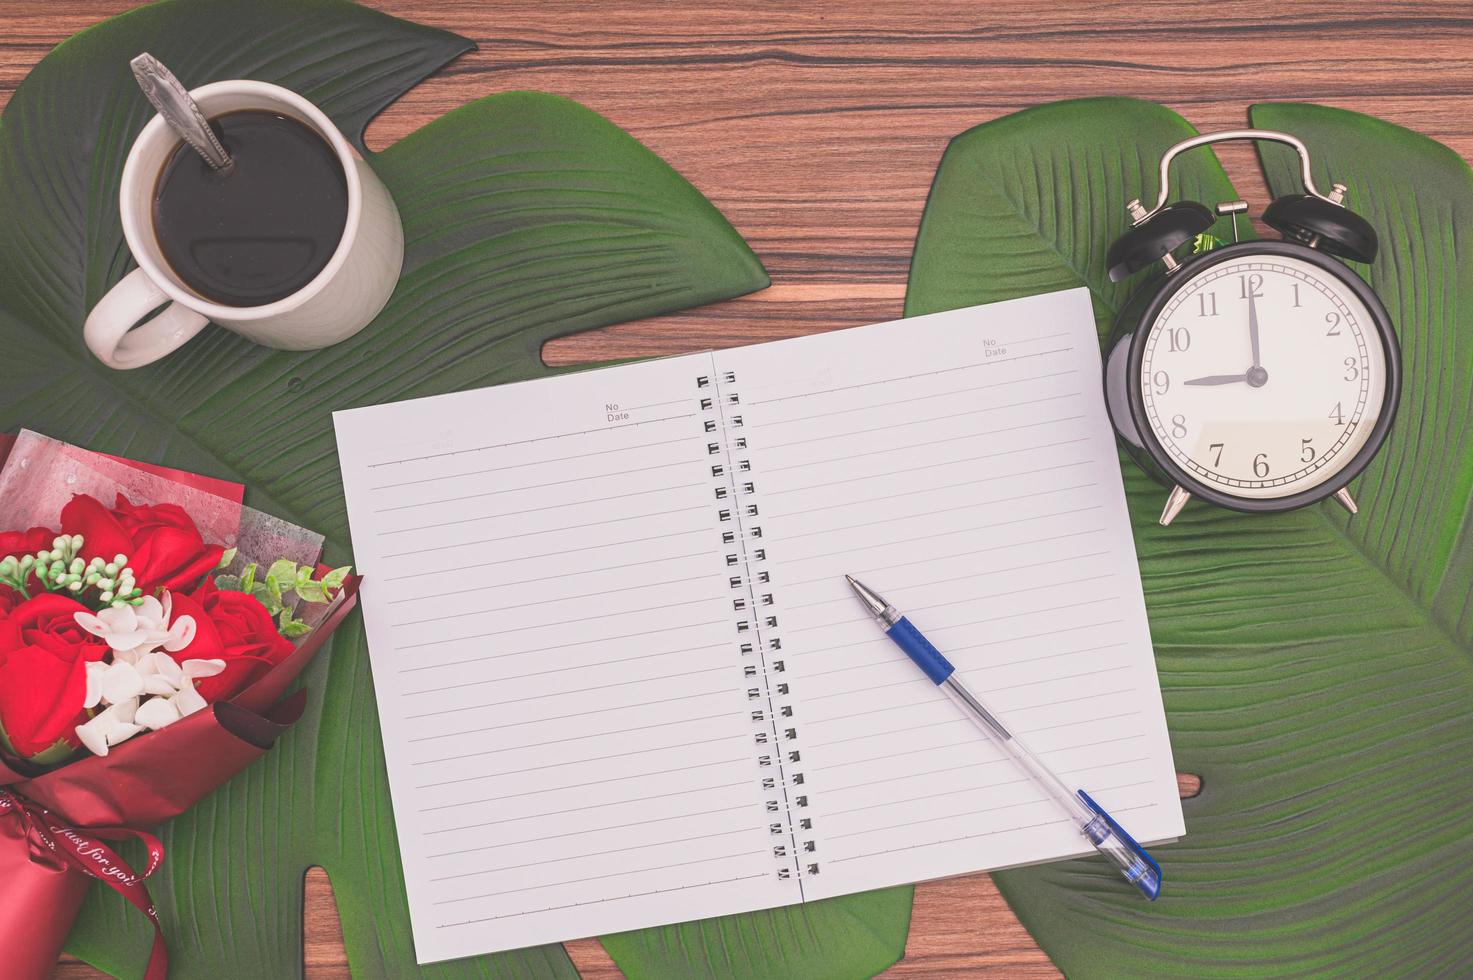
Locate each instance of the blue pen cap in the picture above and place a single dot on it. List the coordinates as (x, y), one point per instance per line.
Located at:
(1132, 860)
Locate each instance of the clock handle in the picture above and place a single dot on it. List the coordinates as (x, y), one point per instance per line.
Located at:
(1271, 135)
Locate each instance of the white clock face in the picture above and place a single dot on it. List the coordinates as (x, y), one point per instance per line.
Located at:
(1263, 377)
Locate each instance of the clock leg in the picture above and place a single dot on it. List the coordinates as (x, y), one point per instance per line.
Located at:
(1343, 495)
(1175, 501)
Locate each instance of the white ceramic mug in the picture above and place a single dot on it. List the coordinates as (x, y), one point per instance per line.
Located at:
(344, 297)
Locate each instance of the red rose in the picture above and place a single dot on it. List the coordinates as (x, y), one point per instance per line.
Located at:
(163, 546)
(43, 673)
(233, 627)
(18, 544)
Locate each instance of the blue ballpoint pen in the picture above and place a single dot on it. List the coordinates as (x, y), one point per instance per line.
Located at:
(1097, 826)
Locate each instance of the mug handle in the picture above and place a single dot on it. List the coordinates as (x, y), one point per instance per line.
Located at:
(113, 331)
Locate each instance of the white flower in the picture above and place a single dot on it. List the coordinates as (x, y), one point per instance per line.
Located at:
(143, 688)
(114, 683)
(156, 713)
(112, 725)
(136, 631)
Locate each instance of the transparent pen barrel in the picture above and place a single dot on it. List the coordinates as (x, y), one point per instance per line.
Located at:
(1019, 752)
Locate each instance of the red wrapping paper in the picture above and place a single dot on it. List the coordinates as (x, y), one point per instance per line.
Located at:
(140, 784)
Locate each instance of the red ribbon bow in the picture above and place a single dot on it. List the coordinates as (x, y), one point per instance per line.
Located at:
(55, 845)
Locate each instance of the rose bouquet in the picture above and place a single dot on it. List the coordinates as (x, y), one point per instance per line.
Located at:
(149, 628)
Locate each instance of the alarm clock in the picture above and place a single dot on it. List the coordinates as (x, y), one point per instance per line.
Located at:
(1261, 375)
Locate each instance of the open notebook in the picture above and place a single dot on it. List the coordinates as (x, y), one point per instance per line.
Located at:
(622, 681)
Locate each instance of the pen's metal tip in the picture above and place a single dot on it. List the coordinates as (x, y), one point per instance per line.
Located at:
(876, 605)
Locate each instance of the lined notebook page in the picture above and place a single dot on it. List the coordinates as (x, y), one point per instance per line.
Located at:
(551, 631)
(962, 465)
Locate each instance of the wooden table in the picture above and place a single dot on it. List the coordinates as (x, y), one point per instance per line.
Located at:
(816, 128)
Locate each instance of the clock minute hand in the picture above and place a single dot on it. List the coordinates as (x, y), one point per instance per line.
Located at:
(1219, 379)
(1253, 328)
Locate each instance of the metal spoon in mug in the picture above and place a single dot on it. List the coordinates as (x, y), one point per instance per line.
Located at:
(181, 112)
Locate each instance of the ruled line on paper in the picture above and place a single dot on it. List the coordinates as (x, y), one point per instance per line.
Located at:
(936, 418)
(548, 649)
(933, 700)
(522, 442)
(579, 809)
(949, 534)
(562, 670)
(566, 622)
(535, 462)
(613, 874)
(575, 857)
(993, 595)
(908, 470)
(945, 510)
(603, 828)
(920, 374)
(687, 463)
(973, 668)
(985, 833)
(970, 743)
(655, 679)
(956, 578)
(554, 554)
(924, 489)
(566, 598)
(972, 813)
(901, 447)
(538, 510)
(913, 680)
(554, 530)
(706, 553)
(597, 901)
(578, 762)
(566, 786)
(769, 423)
(726, 690)
(575, 762)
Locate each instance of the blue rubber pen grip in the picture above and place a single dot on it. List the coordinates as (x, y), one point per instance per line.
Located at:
(919, 649)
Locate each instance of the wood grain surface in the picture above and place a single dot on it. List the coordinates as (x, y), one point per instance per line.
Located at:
(816, 127)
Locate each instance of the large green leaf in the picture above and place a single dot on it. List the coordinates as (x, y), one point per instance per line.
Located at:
(1316, 669)
(526, 217)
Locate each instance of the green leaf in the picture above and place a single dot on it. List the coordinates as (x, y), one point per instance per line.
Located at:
(248, 578)
(227, 557)
(265, 596)
(293, 628)
(229, 583)
(335, 578)
(1316, 669)
(854, 936)
(283, 572)
(526, 217)
(312, 592)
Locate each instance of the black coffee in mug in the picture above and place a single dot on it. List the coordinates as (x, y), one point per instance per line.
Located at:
(260, 230)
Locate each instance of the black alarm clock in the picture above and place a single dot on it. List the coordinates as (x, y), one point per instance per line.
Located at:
(1261, 375)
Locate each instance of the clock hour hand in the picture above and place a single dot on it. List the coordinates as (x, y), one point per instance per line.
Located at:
(1219, 379)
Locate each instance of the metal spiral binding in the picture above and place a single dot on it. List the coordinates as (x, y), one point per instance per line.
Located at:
(774, 727)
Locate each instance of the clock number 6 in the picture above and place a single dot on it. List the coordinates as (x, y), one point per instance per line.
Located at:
(1260, 465)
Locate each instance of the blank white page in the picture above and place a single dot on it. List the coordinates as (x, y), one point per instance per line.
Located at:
(962, 465)
(552, 637)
